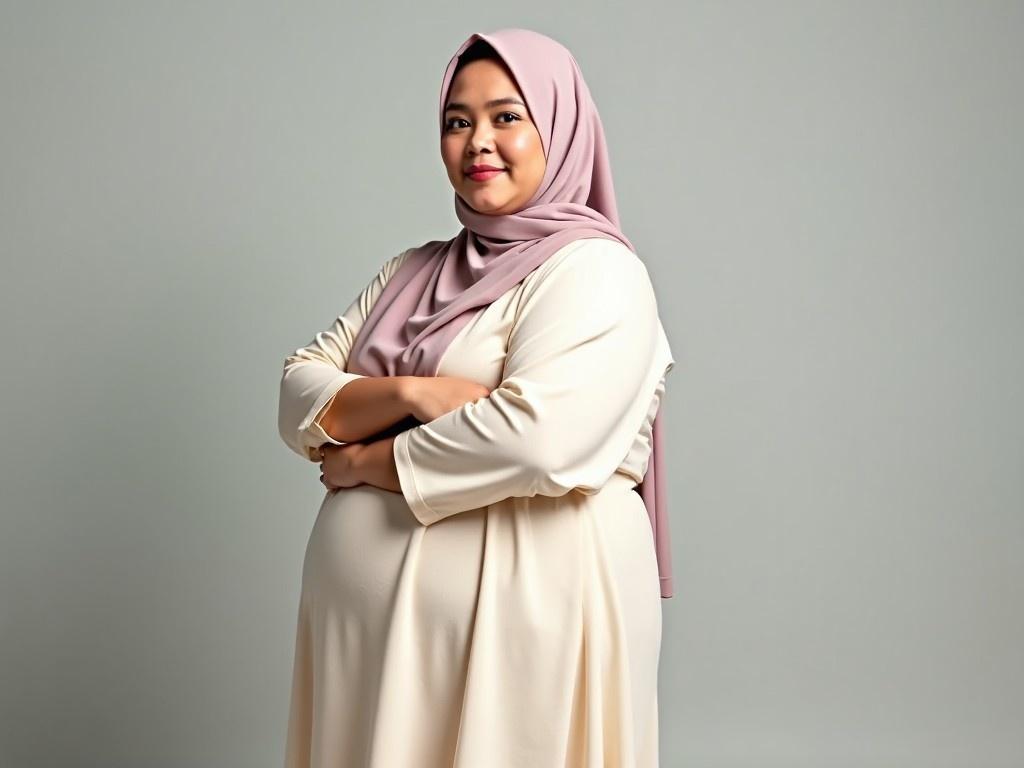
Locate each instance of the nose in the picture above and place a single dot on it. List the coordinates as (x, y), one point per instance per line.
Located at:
(481, 137)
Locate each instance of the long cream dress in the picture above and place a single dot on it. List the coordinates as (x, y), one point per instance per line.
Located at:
(503, 610)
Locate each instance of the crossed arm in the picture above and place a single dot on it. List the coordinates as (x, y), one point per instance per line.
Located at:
(371, 405)
(585, 358)
(374, 411)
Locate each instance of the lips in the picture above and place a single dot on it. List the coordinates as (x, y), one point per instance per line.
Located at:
(484, 175)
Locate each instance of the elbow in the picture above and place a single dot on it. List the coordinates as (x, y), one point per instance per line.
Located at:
(540, 457)
(288, 433)
(544, 467)
(288, 424)
(557, 466)
(530, 438)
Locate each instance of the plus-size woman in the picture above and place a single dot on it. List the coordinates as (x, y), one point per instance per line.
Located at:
(482, 584)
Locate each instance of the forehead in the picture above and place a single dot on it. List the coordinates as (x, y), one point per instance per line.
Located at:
(482, 80)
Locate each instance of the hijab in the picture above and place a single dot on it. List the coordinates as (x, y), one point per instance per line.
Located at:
(442, 285)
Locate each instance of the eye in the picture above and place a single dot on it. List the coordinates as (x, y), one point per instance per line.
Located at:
(449, 124)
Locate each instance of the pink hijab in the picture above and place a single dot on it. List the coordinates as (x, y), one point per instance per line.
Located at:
(442, 285)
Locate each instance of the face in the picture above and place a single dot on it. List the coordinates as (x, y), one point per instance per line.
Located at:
(501, 135)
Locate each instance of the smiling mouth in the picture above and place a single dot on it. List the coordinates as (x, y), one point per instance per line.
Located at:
(484, 175)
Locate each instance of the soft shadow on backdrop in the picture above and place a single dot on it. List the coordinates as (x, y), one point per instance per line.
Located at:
(828, 198)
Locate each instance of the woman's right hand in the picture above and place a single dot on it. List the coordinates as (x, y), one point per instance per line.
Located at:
(433, 396)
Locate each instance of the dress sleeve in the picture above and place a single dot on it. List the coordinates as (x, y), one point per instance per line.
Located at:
(585, 357)
(315, 373)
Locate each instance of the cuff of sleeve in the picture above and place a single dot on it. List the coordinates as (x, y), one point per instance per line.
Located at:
(314, 437)
(311, 433)
(407, 480)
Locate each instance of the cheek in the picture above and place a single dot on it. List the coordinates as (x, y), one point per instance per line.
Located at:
(529, 159)
(450, 154)
(526, 152)
(522, 145)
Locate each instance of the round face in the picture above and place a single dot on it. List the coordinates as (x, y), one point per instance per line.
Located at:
(486, 123)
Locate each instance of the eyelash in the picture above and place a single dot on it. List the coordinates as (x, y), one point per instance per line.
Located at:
(448, 125)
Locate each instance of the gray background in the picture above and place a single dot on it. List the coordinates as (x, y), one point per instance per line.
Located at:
(829, 198)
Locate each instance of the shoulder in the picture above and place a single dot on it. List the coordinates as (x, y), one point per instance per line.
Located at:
(595, 264)
(392, 265)
(592, 279)
(595, 259)
(390, 268)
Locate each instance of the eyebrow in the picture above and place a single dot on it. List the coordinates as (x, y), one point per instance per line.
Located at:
(491, 103)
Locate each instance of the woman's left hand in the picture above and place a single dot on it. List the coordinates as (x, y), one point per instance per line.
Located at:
(338, 466)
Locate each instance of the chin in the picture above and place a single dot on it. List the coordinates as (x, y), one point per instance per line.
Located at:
(482, 206)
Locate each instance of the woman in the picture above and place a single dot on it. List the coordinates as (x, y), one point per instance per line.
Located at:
(481, 585)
